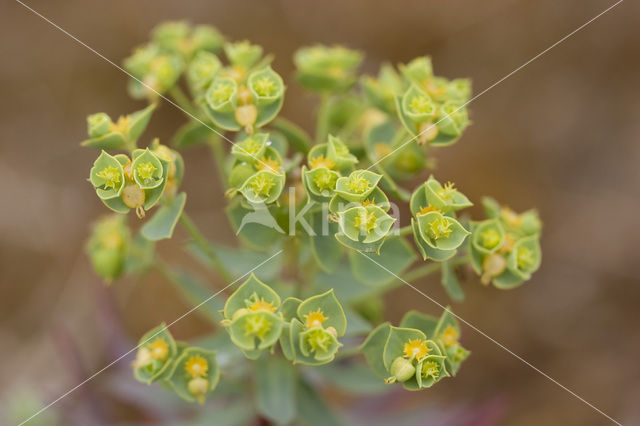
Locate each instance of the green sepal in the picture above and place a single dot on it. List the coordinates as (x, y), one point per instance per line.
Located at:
(327, 69)
(110, 141)
(138, 122)
(243, 53)
(381, 91)
(179, 378)
(358, 245)
(418, 70)
(221, 97)
(330, 307)
(507, 280)
(450, 242)
(152, 196)
(440, 360)
(445, 199)
(157, 175)
(252, 288)
(103, 162)
(529, 246)
(201, 71)
(156, 370)
(285, 341)
(164, 221)
(425, 323)
(326, 250)
(259, 179)
(427, 251)
(267, 113)
(319, 354)
(373, 349)
(239, 174)
(394, 346)
(396, 255)
(339, 153)
(452, 119)
(296, 329)
(310, 179)
(350, 226)
(98, 125)
(417, 105)
(251, 149)
(418, 200)
(245, 341)
(265, 96)
(289, 308)
(495, 239)
(365, 177)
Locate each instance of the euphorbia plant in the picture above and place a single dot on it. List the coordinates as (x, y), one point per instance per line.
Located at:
(318, 220)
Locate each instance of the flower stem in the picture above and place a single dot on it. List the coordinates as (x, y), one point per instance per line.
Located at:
(322, 124)
(182, 100)
(204, 245)
(405, 230)
(219, 157)
(422, 271)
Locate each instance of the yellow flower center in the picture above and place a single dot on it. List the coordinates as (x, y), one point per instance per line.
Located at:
(449, 336)
(440, 228)
(325, 180)
(257, 325)
(365, 220)
(512, 218)
(490, 238)
(321, 161)
(261, 185)
(111, 175)
(420, 105)
(428, 209)
(315, 319)
(222, 92)
(524, 257)
(416, 348)
(358, 185)
(430, 369)
(159, 349)
(196, 366)
(268, 164)
(264, 86)
(447, 191)
(262, 305)
(145, 170)
(319, 339)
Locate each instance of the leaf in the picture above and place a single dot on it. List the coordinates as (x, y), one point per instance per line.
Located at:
(312, 410)
(356, 324)
(110, 141)
(373, 348)
(327, 251)
(138, 122)
(190, 134)
(330, 307)
(195, 292)
(396, 255)
(276, 389)
(252, 286)
(425, 323)
(162, 224)
(294, 134)
(450, 282)
(254, 234)
(353, 378)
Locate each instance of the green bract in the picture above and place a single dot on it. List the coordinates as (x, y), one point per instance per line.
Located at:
(366, 224)
(311, 336)
(202, 70)
(147, 169)
(358, 185)
(264, 187)
(243, 54)
(105, 134)
(194, 374)
(156, 351)
(108, 247)
(320, 183)
(382, 91)
(266, 86)
(107, 176)
(327, 69)
(437, 236)
(434, 196)
(252, 148)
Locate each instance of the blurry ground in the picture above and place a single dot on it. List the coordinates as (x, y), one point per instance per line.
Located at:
(562, 135)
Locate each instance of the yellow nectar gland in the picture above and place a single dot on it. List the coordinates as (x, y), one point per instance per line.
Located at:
(447, 191)
(257, 325)
(315, 319)
(319, 339)
(365, 221)
(524, 258)
(440, 228)
(159, 349)
(268, 164)
(358, 185)
(321, 161)
(428, 209)
(111, 175)
(420, 105)
(145, 170)
(244, 96)
(196, 366)
(490, 238)
(368, 202)
(449, 336)
(325, 180)
(121, 125)
(381, 149)
(262, 305)
(265, 86)
(512, 218)
(261, 185)
(416, 348)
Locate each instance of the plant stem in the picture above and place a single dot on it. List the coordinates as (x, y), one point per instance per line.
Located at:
(405, 230)
(182, 100)
(219, 157)
(204, 245)
(422, 271)
(322, 123)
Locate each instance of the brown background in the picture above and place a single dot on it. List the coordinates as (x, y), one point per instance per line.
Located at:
(561, 134)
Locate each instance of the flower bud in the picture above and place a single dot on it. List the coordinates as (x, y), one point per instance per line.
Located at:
(401, 370)
(246, 116)
(99, 125)
(493, 265)
(198, 387)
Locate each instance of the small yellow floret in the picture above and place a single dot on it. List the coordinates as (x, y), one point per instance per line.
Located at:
(416, 348)
(222, 92)
(524, 257)
(321, 161)
(318, 339)
(145, 170)
(111, 175)
(430, 369)
(261, 185)
(440, 228)
(365, 220)
(257, 325)
(449, 336)
(264, 86)
(315, 319)
(420, 105)
(428, 209)
(268, 164)
(358, 185)
(196, 366)
(447, 191)
(490, 238)
(159, 349)
(262, 305)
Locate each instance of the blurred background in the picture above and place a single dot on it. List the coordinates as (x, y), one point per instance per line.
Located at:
(561, 135)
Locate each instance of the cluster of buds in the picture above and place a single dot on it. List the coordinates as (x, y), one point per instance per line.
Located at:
(327, 69)
(109, 247)
(436, 231)
(190, 371)
(419, 353)
(160, 63)
(307, 330)
(505, 248)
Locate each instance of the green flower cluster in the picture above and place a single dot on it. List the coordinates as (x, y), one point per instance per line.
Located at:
(160, 63)
(505, 249)
(327, 69)
(257, 171)
(419, 353)
(307, 330)
(436, 231)
(109, 247)
(190, 371)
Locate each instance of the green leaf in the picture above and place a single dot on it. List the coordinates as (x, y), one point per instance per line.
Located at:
(354, 378)
(190, 134)
(194, 291)
(163, 223)
(394, 347)
(138, 122)
(356, 324)
(327, 251)
(275, 389)
(296, 136)
(257, 235)
(330, 307)
(425, 323)
(450, 282)
(312, 410)
(373, 349)
(110, 141)
(396, 255)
